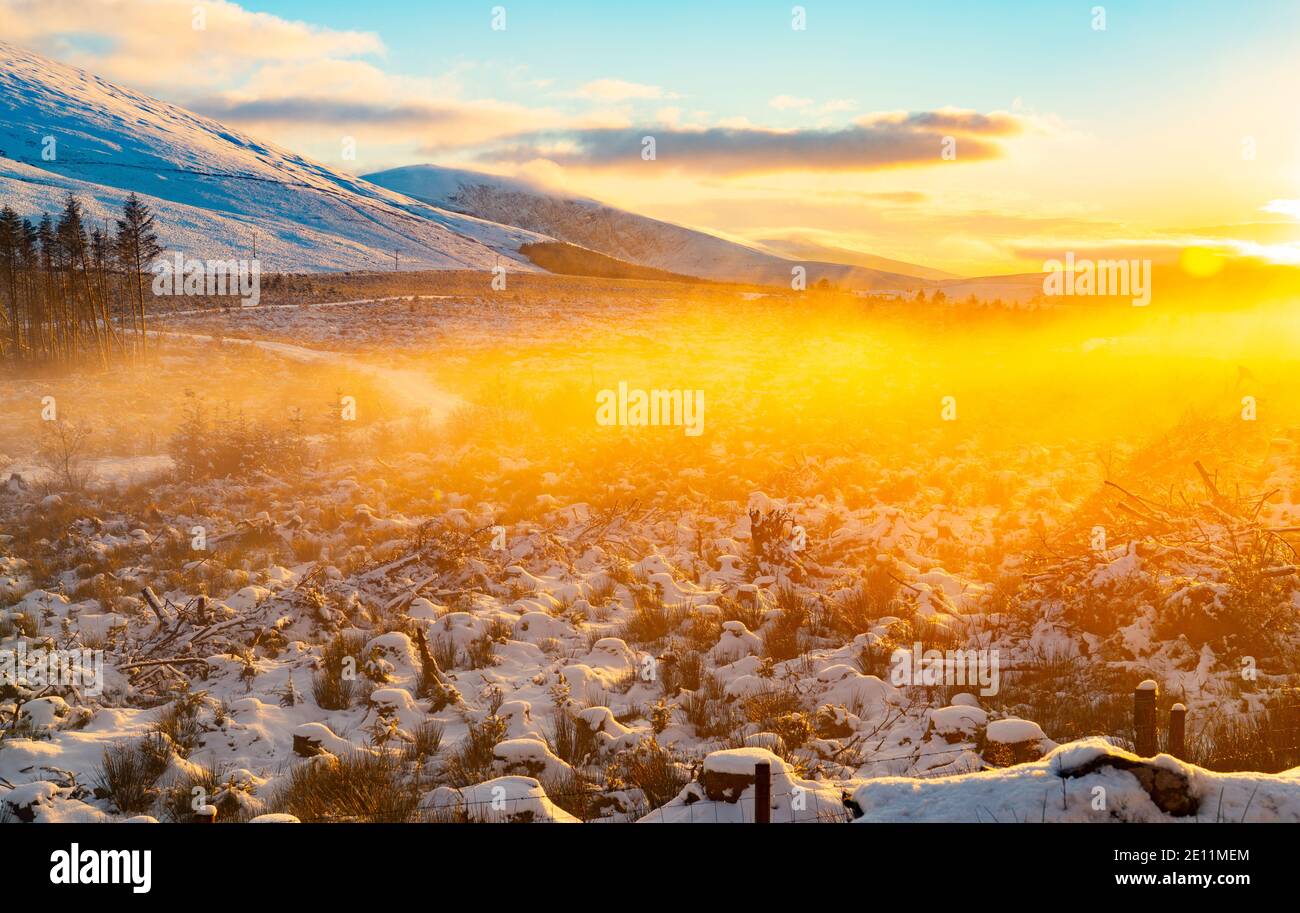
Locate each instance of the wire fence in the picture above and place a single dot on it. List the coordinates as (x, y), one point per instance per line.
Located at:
(810, 805)
(1266, 737)
(820, 802)
(1273, 728)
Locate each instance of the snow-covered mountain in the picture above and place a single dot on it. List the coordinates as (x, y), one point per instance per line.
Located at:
(219, 193)
(215, 191)
(797, 245)
(621, 234)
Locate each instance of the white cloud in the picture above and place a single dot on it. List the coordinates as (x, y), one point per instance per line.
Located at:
(158, 46)
(788, 102)
(1288, 208)
(837, 105)
(669, 114)
(299, 84)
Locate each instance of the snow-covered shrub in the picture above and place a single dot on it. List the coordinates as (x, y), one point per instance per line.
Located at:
(708, 711)
(570, 739)
(179, 722)
(425, 743)
(735, 642)
(480, 652)
(765, 707)
(362, 786)
(651, 621)
(228, 444)
(771, 550)
(472, 760)
(650, 768)
(503, 800)
(332, 686)
(129, 773)
(782, 638)
(528, 757)
(1249, 610)
(230, 792)
(875, 595)
(682, 670)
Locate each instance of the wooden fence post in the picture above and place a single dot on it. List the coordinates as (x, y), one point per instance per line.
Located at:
(205, 814)
(1177, 730)
(1144, 718)
(763, 793)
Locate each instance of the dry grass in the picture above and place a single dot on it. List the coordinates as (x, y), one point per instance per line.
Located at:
(471, 760)
(651, 621)
(361, 787)
(1268, 741)
(334, 687)
(129, 773)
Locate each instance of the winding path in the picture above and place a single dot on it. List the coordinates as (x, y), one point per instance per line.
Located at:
(409, 389)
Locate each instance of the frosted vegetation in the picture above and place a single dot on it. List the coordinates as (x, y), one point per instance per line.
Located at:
(473, 602)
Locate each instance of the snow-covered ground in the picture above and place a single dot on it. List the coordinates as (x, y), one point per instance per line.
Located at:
(505, 611)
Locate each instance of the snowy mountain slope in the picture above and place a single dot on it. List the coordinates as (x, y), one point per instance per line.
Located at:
(213, 189)
(618, 233)
(797, 246)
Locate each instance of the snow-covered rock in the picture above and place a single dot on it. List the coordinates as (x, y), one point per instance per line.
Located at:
(530, 758)
(724, 793)
(510, 799)
(1086, 781)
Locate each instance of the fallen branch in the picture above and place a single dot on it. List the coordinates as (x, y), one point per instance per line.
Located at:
(1208, 482)
(172, 661)
(155, 604)
(403, 598)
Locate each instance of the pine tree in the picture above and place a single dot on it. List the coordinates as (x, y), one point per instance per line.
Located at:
(54, 289)
(290, 696)
(137, 247)
(45, 242)
(12, 236)
(83, 319)
(71, 233)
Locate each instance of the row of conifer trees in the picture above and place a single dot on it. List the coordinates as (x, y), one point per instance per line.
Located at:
(70, 291)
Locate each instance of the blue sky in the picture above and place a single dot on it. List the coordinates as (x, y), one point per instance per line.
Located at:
(733, 56)
(1066, 135)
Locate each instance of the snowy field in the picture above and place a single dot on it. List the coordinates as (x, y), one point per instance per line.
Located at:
(367, 552)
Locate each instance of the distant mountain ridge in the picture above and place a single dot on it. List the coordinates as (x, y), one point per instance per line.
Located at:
(216, 192)
(621, 234)
(795, 246)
